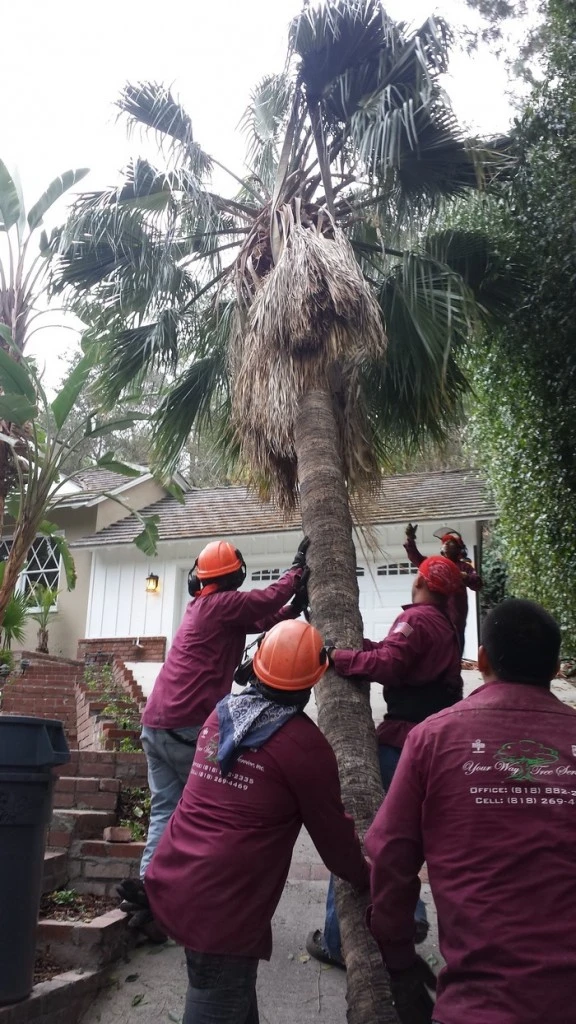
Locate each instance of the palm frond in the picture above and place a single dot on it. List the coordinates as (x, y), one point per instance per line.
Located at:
(152, 105)
(199, 397)
(130, 353)
(262, 123)
(429, 312)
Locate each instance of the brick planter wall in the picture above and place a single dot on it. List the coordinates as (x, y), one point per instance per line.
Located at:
(60, 1001)
(90, 944)
(45, 689)
(150, 648)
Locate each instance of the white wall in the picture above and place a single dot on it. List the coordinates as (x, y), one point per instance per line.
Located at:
(120, 606)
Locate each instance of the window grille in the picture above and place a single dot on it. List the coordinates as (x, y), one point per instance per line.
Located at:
(397, 569)
(265, 575)
(42, 565)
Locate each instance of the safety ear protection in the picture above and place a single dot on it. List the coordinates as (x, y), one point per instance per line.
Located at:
(194, 584)
(243, 566)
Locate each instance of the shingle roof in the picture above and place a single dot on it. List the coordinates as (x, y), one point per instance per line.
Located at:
(94, 484)
(457, 494)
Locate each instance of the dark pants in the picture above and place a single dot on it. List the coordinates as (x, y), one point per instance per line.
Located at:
(388, 758)
(221, 989)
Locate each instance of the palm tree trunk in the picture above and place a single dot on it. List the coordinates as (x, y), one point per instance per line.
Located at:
(42, 646)
(343, 708)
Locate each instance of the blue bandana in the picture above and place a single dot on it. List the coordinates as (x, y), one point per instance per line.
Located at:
(247, 721)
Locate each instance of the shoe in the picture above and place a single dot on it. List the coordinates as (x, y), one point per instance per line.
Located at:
(421, 930)
(315, 947)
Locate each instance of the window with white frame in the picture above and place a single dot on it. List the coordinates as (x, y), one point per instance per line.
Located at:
(42, 565)
(397, 569)
(266, 575)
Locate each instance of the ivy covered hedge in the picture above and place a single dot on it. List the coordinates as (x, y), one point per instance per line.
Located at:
(523, 418)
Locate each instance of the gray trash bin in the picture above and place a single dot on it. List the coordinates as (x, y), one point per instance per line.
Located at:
(29, 747)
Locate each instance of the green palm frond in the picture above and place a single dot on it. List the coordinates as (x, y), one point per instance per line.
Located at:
(428, 313)
(262, 123)
(151, 105)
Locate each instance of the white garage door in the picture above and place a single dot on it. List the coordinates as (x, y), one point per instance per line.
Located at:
(384, 588)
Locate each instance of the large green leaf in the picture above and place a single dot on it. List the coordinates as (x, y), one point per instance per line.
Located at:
(17, 409)
(108, 461)
(55, 189)
(116, 425)
(66, 399)
(9, 202)
(49, 529)
(147, 541)
(15, 378)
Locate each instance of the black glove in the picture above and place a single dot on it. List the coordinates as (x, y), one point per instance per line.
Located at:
(329, 646)
(302, 583)
(300, 556)
(300, 601)
(411, 992)
(411, 531)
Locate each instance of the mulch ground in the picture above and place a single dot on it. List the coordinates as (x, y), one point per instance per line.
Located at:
(84, 908)
(45, 968)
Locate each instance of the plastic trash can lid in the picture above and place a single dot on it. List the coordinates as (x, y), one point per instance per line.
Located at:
(29, 742)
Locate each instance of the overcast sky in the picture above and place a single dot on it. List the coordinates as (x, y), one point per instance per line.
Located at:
(64, 62)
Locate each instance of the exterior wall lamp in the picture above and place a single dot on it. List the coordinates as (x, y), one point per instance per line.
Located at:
(152, 583)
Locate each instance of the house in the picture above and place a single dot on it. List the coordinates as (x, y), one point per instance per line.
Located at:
(88, 503)
(117, 599)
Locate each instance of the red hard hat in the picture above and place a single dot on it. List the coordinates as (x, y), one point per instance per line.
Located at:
(441, 574)
(219, 558)
(291, 656)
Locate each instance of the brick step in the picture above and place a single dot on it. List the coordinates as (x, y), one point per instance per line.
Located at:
(130, 768)
(83, 793)
(55, 870)
(55, 698)
(69, 824)
(32, 683)
(97, 866)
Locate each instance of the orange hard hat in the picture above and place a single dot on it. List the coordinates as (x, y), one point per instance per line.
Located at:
(291, 656)
(217, 559)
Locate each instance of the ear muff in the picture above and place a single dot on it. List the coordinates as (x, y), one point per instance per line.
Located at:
(194, 584)
(243, 569)
(323, 656)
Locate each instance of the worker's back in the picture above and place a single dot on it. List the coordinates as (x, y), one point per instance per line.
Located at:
(499, 828)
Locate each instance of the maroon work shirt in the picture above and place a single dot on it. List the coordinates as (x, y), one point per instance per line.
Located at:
(485, 792)
(421, 650)
(458, 602)
(208, 646)
(219, 870)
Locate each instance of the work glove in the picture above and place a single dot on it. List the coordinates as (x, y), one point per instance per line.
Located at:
(411, 992)
(329, 647)
(300, 601)
(137, 909)
(302, 583)
(411, 531)
(300, 556)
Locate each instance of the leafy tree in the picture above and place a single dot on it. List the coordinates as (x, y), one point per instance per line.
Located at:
(41, 456)
(23, 284)
(524, 420)
(310, 320)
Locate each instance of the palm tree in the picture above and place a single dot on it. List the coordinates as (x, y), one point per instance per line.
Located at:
(310, 320)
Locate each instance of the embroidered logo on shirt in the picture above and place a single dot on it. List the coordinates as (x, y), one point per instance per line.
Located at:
(574, 750)
(405, 628)
(478, 746)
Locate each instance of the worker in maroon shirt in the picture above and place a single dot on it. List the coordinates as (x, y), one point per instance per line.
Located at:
(200, 666)
(453, 547)
(418, 665)
(485, 793)
(262, 770)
